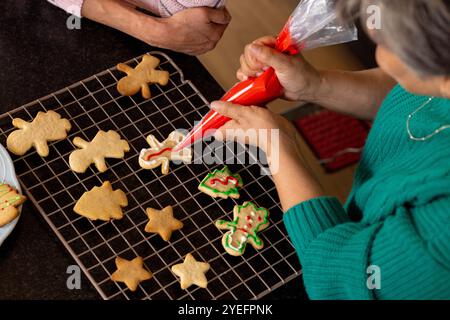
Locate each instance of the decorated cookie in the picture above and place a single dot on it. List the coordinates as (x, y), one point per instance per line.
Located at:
(102, 203)
(47, 126)
(248, 221)
(138, 79)
(10, 199)
(131, 272)
(160, 154)
(191, 272)
(162, 222)
(222, 183)
(104, 145)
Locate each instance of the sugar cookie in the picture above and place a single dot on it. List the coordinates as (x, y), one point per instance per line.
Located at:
(10, 199)
(191, 272)
(222, 183)
(47, 126)
(139, 78)
(102, 203)
(160, 154)
(162, 222)
(131, 272)
(104, 145)
(248, 220)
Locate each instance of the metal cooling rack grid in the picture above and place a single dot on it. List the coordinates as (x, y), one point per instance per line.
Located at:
(94, 104)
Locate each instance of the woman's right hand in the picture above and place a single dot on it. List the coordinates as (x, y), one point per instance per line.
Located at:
(300, 80)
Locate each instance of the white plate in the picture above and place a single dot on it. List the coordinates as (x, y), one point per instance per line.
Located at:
(8, 176)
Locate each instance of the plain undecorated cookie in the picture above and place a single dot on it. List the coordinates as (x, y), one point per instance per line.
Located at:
(132, 273)
(102, 203)
(47, 126)
(139, 78)
(191, 272)
(162, 222)
(104, 145)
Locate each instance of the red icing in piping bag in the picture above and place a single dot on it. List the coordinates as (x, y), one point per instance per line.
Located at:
(255, 91)
(313, 24)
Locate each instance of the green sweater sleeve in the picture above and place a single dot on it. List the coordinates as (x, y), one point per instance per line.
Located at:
(411, 248)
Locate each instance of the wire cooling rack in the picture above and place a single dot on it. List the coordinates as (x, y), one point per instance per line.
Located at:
(94, 104)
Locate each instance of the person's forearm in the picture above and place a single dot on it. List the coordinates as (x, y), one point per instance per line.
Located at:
(293, 181)
(358, 94)
(123, 16)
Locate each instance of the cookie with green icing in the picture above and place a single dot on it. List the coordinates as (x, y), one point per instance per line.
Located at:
(248, 221)
(10, 200)
(222, 184)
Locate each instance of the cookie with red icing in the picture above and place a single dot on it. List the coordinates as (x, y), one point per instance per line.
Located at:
(162, 153)
(248, 221)
(222, 184)
(10, 199)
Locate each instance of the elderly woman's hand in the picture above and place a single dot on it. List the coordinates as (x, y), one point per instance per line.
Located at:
(300, 80)
(255, 126)
(194, 31)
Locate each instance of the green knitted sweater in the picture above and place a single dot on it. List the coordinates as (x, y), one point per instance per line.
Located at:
(396, 218)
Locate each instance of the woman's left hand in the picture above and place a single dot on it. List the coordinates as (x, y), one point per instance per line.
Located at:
(255, 126)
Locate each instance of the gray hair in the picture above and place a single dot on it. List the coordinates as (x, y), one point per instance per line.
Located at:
(418, 31)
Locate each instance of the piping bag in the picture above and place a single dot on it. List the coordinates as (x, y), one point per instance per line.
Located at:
(313, 24)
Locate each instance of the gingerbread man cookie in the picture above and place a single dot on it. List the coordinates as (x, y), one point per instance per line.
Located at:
(138, 79)
(102, 203)
(160, 154)
(10, 199)
(132, 273)
(248, 221)
(47, 126)
(104, 145)
(222, 183)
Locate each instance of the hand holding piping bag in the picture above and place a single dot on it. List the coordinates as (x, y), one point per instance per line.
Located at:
(313, 24)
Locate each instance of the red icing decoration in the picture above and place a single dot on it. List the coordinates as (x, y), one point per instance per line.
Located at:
(147, 158)
(227, 180)
(243, 230)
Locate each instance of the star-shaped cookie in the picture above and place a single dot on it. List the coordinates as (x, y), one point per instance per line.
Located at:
(160, 153)
(191, 272)
(162, 222)
(130, 272)
(102, 203)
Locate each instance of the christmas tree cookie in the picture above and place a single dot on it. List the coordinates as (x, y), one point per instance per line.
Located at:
(10, 199)
(248, 221)
(222, 183)
(102, 203)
